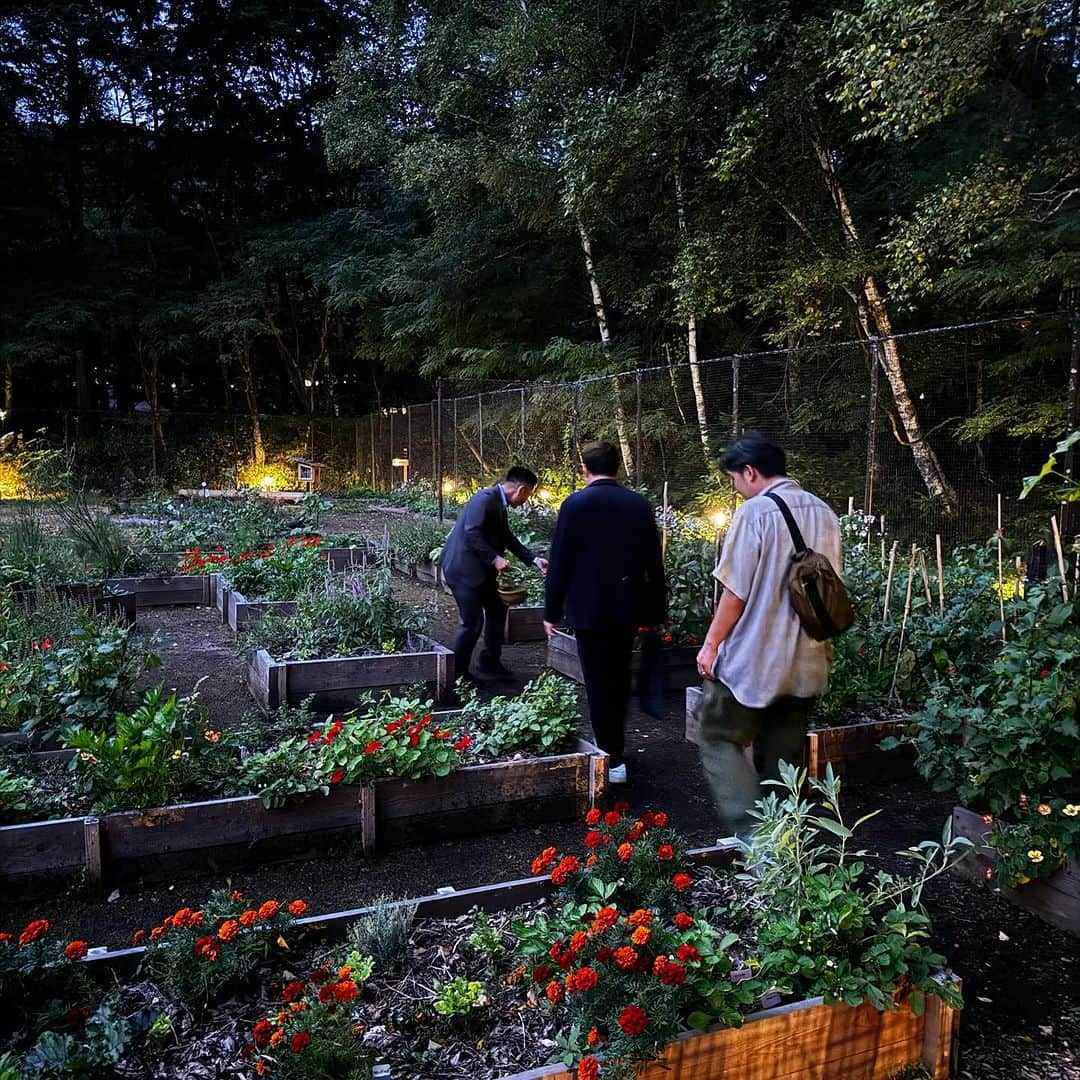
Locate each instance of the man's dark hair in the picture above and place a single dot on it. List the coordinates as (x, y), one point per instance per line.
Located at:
(520, 475)
(601, 459)
(752, 448)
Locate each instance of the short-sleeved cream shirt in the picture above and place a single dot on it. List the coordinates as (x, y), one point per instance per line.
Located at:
(768, 655)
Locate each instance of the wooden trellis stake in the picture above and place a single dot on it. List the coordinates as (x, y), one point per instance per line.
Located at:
(903, 622)
(1060, 559)
(1001, 580)
(923, 569)
(940, 576)
(664, 529)
(888, 582)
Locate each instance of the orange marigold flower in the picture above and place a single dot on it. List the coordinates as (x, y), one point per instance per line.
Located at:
(681, 881)
(76, 950)
(591, 860)
(684, 921)
(277, 1038)
(260, 1068)
(593, 817)
(588, 1069)
(625, 851)
(297, 908)
(606, 917)
(34, 930)
(345, 991)
(578, 940)
(568, 865)
(626, 957)
(544, 860)
(641, 917)
(268, 910)
(157, 933)
(300, 1042)
(229, 929)
(584, 979)
(206, 948)
(641, 935)
(249, 917)
(593, 839)
(180, 918)
(139, 937)
(633, 1019)
(554, 992)
(594, 1037)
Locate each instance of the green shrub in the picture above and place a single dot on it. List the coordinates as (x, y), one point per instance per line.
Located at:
(540, 720)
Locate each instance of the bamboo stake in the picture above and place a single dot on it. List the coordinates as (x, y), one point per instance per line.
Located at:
(1060, 559)
(940, 576)
(1019, 578)
(883, 553)
(663, 543)
(926, 579)
(903, 623)
(1001, 582)
(888, 582)
(716, 562)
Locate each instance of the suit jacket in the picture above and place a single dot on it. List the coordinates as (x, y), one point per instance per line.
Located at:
(605, 567)
(481, 532)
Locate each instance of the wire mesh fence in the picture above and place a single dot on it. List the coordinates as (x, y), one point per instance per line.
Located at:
(834, 408)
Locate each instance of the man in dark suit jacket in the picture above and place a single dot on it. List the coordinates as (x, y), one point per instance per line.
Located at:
(606, 579)
(471, 561)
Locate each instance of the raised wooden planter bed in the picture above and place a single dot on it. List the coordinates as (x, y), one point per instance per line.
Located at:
(426, 572)
(242, 612)
(167, 590)
(218, 834)
(1055, 899)
(117, 605)
(524, 622)
(337, 684)
(851, 749)
(803, 1040)
(680, 661)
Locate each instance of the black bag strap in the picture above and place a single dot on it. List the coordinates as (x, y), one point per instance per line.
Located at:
(793, 528)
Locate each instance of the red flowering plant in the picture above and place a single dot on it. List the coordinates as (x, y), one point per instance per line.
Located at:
(278, 572)
(310, 1033)
(626, 956)
(199, 955)
(38, 972)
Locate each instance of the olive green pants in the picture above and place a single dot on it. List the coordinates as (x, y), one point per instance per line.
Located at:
(741, 746)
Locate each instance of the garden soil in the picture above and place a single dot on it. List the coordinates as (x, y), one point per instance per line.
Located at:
(1021, 1019)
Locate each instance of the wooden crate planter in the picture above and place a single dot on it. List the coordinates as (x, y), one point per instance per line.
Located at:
(1055, 899)
(218, 834)
(803, 1040)
(119, 605)
(340, 559)
(851, 749)
(336, 684)
(426, 572)
(680, 662)
(524, 622)
(242, 612)
(166, 591)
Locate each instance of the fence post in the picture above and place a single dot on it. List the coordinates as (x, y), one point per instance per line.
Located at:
(573, 438)
(871, 426)
(637, 448)
(356, 446)
(390, 459)
(480, 429)
(371, 420)
(436, 439)
(1072, 303)
(735, 423)
(456, 472)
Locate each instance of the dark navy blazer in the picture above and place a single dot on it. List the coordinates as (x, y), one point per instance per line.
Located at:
(481, 532)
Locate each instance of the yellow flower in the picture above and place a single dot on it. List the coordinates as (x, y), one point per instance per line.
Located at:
(1035, 855)
(1023, 879)
(1045, 809)
(1071, 810)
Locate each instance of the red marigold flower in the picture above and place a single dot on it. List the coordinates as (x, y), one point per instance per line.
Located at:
(345, 990)
(633, 1019)
(463, 743)
(604, 954)
(236, 896)
(300, 1042)
(681, 881)
(606, 917)
(611, 818)
(249, 918)
(319, 976)
(568, 865)
(76, 950)
(268, 910)
(206, 948)
(544, 860)
(326, 993)
(684, 921)
(34, 930)
(293, 990)
(554, 992)
(641, 935)
(588, 1069)
(314, 737)
(139, 937)
(584, 979)
(626, 957)
(332, 732)
(625, 851)
(665, 852)
(262, 1032)
(337, 776)
(593, 817)
(659, 819)
(593, 839)
(578, 940)
(541, 973)
(229, 929)
(157, 933)
(687, 953)
(672, 974)
(297, 908)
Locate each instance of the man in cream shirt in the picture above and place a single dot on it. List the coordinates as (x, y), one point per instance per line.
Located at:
(761, 671)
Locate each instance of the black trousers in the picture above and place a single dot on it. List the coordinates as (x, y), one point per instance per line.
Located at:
(605, 666)
(479, 610)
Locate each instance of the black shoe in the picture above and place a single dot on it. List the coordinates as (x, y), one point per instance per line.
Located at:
(492, 667)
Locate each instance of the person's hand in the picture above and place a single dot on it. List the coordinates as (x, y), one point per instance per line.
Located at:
(549, 628)
(542, 565)
(501, 563)
(706, 658)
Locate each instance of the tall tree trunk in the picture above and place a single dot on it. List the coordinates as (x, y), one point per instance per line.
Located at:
(692, 343)
(258, 450)
(150, 388)
(605, 339)
(82, 382)
(9, 388)
(874, 315)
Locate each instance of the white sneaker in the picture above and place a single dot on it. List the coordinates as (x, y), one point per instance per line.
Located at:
(617, 774)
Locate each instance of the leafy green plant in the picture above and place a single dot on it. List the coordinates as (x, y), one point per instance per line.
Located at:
(419, 542)
(1068, 489)
(143, 760)
(31, 556)
(485, 938)
(19, 797)
(826, 926)
(539, 720)
(459, 997)
(280, 773)
(277, 573)
(102, 1044)
(100, 544)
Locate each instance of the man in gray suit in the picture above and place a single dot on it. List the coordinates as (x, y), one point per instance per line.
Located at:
(471, 560)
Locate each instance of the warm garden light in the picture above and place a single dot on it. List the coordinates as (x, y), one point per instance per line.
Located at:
(448, 487)
(719, 517)
(545, 494)
(266, 481)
